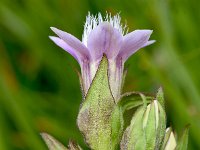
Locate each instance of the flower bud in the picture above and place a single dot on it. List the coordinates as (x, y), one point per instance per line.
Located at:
(146, 130)
(169, 142)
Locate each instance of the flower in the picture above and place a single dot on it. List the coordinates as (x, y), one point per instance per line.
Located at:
(103, 36)
(147, 127)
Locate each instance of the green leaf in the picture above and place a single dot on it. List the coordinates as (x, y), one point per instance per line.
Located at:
(132, 100)
(117, 123)
(128, 101)
(183, 142)
(160, 97)
(161, 126)
(147, 128)
(149, 125)
(52, 143)
(154, 125)
(95, 115)
(134, 137)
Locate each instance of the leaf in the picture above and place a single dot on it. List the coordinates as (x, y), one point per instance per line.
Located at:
(52, 143)
(117, 124)
(146, 128)
(160, 97)
(154, 125)
(133, 137)
(132, 100)
(128, 101)
(94, 118)
(149, 126)
(183, 142)
(161, 126)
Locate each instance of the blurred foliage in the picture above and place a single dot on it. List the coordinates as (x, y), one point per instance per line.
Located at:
(39, 87)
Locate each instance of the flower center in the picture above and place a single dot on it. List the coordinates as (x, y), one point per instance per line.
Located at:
(92, 21)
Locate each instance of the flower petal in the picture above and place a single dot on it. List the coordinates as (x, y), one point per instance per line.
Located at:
(65, 46)
(134, 41)
(104, 39)
(149, 43)
(76, 46)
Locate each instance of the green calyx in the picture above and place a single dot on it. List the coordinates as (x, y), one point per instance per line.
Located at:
(95, 116)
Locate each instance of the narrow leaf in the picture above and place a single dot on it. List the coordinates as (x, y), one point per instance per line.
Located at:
(149, 126)
(52, 143)
(160, 97)
(183, 142)
(133, 137)
(161, 125)
(117, 125)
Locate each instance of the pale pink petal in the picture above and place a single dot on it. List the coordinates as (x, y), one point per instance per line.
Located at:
(133, 42)
(66, 47)
(104, 39)
(149, 43)
(72, 42)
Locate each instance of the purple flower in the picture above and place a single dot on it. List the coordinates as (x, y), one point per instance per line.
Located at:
(103, 36)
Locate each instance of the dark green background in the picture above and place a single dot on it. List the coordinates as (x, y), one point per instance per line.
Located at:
(39, 87)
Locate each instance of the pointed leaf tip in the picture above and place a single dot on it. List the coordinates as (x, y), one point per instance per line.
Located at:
(183, 141)
(52, 143)
(160, 97)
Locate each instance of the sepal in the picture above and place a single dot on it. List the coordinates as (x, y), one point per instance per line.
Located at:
(95, 115)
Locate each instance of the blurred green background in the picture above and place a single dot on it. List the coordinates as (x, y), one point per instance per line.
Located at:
(39, 87)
